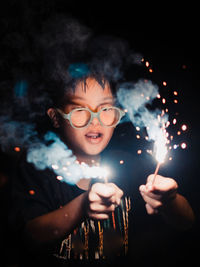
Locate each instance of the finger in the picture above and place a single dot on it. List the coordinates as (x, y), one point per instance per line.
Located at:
(154, 203)
(118, 191)
(150, 210)
(99, 208)
(144, 190)
(116, 197)
(103, 190)
(152, 195)
(94, 197)
(98, 216)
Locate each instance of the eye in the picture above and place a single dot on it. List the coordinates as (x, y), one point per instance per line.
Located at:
(80, 110)
(105, 109)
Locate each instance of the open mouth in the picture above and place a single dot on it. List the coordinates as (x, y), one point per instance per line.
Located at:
(93, 135)
(94, 138)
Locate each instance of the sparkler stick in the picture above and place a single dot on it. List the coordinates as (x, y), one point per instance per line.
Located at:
(156, 171)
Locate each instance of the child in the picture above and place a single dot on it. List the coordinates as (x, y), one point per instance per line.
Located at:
(58, 222)
(45, 226)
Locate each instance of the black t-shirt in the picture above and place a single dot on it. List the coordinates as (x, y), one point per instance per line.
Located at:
(35, 193)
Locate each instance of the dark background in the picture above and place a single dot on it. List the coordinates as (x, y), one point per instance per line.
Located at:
(166, 35)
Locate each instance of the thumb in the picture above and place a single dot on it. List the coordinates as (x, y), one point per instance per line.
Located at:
(150, 179)
(150, 182)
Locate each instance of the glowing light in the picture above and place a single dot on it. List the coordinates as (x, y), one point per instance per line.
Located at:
(183, 145)
(174, 121)
(175, 101)
(147, 64)
(137, 128)
(175, 93)
(167, 124)
(139, 151)
(164, 101)
(31, 192)
(158, 96)
(160, 146)
(54, 166)
(138, 136)
(184, 127)
(96, 172)
(60, 178)
(179, 133)
(150, 70)
(121, 162)
(17, 149)
(164, 83)
(170, 158)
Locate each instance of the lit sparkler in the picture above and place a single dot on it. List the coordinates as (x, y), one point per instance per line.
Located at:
(161, 152)
(160, 146)
(161, 140)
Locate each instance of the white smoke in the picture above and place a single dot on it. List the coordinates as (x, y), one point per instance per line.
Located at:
(59, 158)
(134, 98)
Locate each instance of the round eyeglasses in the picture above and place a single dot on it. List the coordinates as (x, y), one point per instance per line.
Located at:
(82, 117)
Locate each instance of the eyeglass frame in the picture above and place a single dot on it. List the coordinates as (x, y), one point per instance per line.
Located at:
(67, 116)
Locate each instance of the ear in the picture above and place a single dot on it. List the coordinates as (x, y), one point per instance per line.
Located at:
(51, 112)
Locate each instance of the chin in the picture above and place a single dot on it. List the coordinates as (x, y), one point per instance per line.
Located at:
(94, 151)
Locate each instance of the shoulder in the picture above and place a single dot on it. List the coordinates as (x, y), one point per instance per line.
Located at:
(41, 184)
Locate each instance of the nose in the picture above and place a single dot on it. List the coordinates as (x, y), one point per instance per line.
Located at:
(95, 121)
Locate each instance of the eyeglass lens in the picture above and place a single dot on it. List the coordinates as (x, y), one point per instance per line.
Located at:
(108, 117)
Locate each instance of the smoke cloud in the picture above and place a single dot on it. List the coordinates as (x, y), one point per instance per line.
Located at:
(59, 157)
(134, 97)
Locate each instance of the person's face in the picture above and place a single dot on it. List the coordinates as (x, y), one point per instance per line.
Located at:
(92, 139)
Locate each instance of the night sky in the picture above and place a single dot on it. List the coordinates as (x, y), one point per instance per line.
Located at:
(166, 36)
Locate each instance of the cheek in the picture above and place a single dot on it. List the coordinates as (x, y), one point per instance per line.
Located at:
(71, 135)
(68, 133)
(108, 134)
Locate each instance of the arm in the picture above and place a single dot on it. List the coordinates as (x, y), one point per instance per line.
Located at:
(162, 197)
(54, 226)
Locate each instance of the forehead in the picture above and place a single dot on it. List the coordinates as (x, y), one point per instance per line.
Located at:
(91, 90)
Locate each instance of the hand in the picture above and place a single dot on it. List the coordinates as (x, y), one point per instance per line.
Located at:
(158, 194)
(103, 199)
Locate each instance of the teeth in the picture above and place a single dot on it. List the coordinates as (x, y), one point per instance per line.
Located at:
(93, 135)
